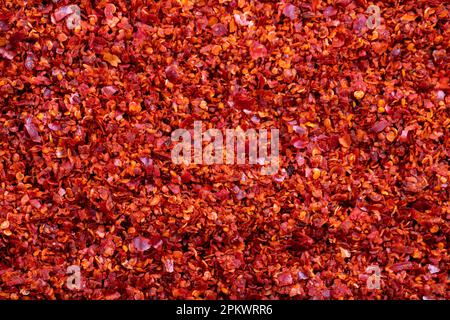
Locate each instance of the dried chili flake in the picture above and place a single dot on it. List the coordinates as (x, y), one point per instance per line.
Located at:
(141, 244)
(32, 129)
(89, 98)
(257, 50)
(290, 11)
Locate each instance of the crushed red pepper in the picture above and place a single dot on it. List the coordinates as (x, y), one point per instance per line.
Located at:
(87, 107)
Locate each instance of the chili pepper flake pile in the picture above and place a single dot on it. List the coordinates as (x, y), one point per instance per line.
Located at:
(90, 92)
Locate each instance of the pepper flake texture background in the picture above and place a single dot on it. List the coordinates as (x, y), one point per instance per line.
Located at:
(91, 90)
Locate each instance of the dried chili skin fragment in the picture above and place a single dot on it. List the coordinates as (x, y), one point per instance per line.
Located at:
(89, 97)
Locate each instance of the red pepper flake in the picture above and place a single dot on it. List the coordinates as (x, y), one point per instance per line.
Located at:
(32, 130)
(108, 91)
(285, 279)
(379, 126)
(141, 244)
(6, 54)
(112, 59)
(91, 94)
(219, 30)
(63, 12)
(290, 11)
(257, 50)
